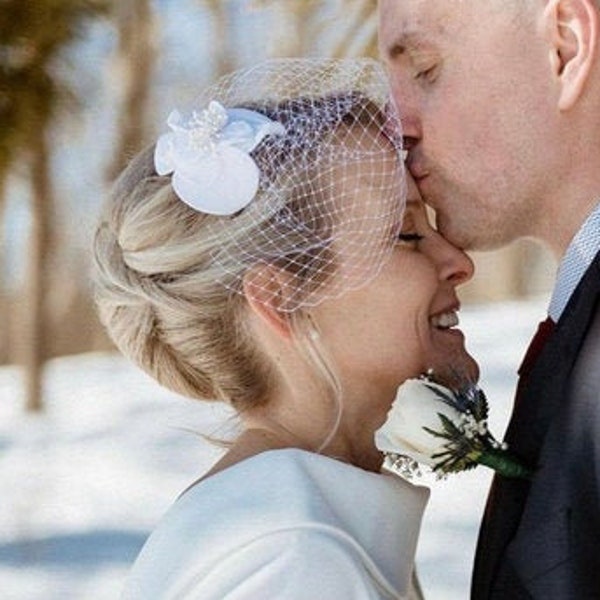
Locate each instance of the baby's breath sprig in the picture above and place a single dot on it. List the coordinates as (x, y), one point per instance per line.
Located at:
(469, 441)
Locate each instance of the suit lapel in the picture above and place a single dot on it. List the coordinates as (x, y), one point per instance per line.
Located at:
(546, 385)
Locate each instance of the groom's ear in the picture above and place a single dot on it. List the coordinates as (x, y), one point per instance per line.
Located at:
(572, 27)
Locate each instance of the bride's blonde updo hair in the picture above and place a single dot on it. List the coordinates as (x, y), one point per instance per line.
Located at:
(160, 298)
(169, 278)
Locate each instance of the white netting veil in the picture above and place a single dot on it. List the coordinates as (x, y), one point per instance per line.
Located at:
(299, 164)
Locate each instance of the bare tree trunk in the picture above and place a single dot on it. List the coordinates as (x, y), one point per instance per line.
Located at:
(221, 49)
(35, 332)
(5, 304)
(134, 66)
(289, 33)
(361, 33)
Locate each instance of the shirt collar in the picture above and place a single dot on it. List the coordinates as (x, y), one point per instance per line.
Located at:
(577, 259)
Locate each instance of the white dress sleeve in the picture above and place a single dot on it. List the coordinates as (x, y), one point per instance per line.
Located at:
(294, 564)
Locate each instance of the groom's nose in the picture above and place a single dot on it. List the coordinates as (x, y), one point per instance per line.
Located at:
(407, 104)
(411, 136)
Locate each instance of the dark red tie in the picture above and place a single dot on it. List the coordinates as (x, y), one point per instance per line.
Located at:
(545, 328)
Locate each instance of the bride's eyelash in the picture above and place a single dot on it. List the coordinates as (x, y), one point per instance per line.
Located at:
(409, 237)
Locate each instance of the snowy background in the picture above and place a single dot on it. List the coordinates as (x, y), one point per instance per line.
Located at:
(82, 485)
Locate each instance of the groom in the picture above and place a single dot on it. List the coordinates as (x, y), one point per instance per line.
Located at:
(500, 104)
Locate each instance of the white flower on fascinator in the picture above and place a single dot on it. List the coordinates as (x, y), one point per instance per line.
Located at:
(209, 156)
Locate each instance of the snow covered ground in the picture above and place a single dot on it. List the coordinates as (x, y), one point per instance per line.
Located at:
(82, 485)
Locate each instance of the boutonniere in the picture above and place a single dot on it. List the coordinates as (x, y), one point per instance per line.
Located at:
(443, 429)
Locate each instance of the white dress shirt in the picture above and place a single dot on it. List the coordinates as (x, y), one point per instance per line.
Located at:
(576, 261)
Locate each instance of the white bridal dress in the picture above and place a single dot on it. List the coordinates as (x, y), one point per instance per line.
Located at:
(286, 524)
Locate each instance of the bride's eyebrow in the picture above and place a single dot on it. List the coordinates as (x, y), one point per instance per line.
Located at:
(409, 217)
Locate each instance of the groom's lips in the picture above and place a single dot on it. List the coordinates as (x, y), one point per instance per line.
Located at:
(416, 167)
(420, 175)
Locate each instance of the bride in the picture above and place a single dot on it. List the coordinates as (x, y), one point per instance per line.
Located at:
(271, 252)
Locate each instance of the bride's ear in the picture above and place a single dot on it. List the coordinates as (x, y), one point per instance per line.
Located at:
(264, 288)
(573, 27)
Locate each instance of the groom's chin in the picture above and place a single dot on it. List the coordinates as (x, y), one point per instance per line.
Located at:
(457, 370)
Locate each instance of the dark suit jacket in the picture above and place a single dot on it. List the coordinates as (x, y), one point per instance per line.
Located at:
(541, 539)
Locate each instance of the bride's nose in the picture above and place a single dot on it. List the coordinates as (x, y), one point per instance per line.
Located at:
(452, 264)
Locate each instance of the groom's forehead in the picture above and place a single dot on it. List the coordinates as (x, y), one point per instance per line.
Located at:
(413, 26)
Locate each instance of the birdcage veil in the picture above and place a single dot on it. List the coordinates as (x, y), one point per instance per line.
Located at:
(300, 163)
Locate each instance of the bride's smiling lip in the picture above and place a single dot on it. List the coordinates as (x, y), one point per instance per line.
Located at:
(446, 318)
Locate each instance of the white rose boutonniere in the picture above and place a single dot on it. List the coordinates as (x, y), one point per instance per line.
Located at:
(443, 429)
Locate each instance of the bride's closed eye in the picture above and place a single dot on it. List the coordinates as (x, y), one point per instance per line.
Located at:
(412, 224)
(409, 238)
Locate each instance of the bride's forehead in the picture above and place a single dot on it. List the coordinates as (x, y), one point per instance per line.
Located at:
(369, 186)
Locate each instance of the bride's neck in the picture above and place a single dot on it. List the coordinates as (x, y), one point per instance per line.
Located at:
(250, 443)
